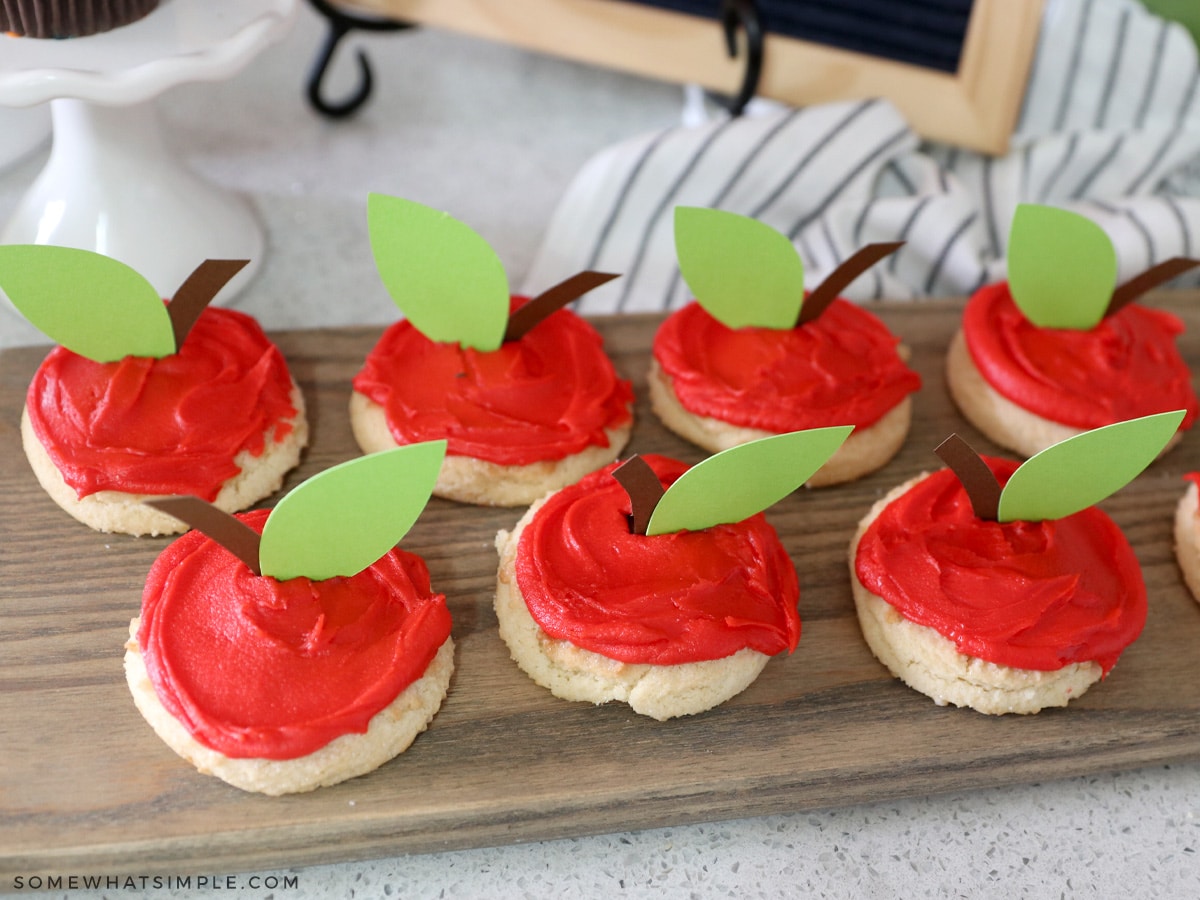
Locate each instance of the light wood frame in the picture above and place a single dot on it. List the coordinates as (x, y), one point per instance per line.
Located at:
(976, 107)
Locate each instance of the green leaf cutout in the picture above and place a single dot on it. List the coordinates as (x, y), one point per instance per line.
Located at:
(344, 519)
(441, 274)
(1062, 267)
(1082, 470)
(743, 272)
(737, 483)
(90, 303)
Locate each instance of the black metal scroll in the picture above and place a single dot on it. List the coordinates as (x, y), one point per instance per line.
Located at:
(341, 24)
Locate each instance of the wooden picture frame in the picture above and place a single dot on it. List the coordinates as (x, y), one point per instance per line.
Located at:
(975, 107)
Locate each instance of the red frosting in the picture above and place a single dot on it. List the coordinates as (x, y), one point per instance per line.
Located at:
(842, 368)
(672, 598)
(164, 426)
(1126, 367)
(255, 667)
(1033, 595)
(547, 396)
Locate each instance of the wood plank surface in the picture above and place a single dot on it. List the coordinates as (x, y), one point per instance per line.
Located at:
(85, 786)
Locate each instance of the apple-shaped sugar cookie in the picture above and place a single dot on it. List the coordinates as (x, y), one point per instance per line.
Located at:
(1055, 350)
(1187, 534)
(1002, 587)
(143, 398)
(287, 650)
(521, 389)
(754, 356)
(671, 601)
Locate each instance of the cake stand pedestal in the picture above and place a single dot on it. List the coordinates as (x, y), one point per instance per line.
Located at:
(111, 183)
(21, 132)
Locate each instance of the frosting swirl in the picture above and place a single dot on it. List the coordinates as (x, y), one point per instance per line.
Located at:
(260, 668)
(1125, 367)
(164, 426)
(1033, 595)
(673, 598)
(842, 368)
(546, 396)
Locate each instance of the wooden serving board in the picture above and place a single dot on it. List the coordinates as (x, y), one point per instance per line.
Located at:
(85, 786)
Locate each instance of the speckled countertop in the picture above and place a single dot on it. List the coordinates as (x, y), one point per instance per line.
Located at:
(496, 135)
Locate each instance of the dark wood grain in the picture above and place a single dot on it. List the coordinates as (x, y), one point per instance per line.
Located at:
(86, 786)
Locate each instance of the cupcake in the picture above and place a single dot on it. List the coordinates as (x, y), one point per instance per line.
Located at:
(295, 666)
(753, 355)
(1055, 351)
(1003, 588)
(69, 18)
(521, 389)
(141, 399)
(673, 617)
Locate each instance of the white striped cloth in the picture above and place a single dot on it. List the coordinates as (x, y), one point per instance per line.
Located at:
(1110, 127)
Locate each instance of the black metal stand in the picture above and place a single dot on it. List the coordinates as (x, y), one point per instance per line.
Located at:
(736, 15)
(744, 15)
(341, 24)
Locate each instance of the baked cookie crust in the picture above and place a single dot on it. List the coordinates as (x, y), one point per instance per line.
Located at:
(573, 673)
(389, 733)
(125, 513)
(483, 483)
(931, 664)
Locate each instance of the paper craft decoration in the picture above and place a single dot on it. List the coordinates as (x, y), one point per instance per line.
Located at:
(338, 522)
(229, 531)
(537, 308)
(100, 308)
(734, 484)
(1062, 269)
(447, 280)
(743, 272)
(1066, 477)
(746, 274)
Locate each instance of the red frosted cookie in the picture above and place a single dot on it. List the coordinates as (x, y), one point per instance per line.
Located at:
(755, 354)
(520, 389)
(1003, 587)
(672, 625)
(655, 584)
(531, 416)
(142, 399)
(1027, 387)
(1187, 535)
(1057, 349)
(719, 387)
(297, 647)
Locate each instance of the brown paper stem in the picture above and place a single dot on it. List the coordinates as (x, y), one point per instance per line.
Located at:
(1148, 280)
(841, 277)
(644, 490)
(525, 318)
(983, 490)
(230, 532)
(197, 291)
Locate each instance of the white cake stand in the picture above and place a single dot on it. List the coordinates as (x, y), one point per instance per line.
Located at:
(111, 184)
(21, 132)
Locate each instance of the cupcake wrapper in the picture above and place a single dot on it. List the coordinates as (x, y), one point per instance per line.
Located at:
(69, 18)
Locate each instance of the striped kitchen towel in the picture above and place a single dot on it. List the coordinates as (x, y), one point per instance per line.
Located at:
(1109, 127)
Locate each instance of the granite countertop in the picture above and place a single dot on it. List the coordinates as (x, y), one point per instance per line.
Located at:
(495, 135)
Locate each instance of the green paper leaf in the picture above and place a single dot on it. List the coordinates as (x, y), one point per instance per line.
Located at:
(442, 275)
(1062, 267)
(345, 518)
(743, 480)
(743, 273)
(90, 303)
(1082, 470)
